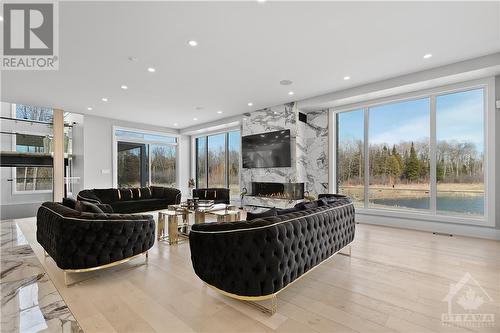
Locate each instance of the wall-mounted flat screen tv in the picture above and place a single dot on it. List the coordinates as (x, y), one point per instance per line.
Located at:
(266, 150)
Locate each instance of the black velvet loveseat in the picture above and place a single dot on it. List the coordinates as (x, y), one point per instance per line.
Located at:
(254, 260)
(133, 200)
(218, 195)
(82, 241)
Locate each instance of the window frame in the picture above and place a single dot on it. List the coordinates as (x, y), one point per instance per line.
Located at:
(194, 160)
(115, 140)
(488, 86)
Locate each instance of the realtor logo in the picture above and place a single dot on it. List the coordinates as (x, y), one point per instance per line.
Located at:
(30, 36)
(465, 299)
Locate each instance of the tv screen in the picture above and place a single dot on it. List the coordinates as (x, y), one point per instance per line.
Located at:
(266, 150)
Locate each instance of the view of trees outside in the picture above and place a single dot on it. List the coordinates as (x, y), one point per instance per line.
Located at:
(129, 166)
(399, 154)
(460, 152)
(163, 159)
(201, 162)
(34, 179)
(234, 162)
(217, 160)
(34, 113)
(398, 150)
(350, 155)
(211, 153)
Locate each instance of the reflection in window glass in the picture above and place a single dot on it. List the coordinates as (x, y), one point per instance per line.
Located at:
(201, 162)
(398, 137)
(36, 113)
(33, 179)
(350, 155)
(234, 162)
(217, 160)
(460, 152)
(163, 165)
(131, 156)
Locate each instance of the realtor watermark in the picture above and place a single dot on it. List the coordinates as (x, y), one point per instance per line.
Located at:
(30, 35)
(466, 302)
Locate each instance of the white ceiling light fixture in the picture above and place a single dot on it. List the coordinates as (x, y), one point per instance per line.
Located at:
(151, 69)
(261, 1)
(195, 119)
(192, 43)
(89, 108)
(291, 93)
(1, 18)
(219, 112)
(427, 56)
(175, 124)
(347, 78)
(104, 99)
(250, 104)
(124, 87)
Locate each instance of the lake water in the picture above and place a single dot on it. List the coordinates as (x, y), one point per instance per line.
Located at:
(470, 205)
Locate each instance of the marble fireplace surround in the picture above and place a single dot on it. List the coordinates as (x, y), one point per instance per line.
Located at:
(309, 153)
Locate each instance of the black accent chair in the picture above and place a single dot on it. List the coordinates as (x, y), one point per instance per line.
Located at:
(254, 260)
(133, 200)
(218, 195)
(83, 241)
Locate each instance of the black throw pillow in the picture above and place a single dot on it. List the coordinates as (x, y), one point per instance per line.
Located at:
(267, 213)
(306, 205)
(69, 202)
(88, 207)
(287, 210)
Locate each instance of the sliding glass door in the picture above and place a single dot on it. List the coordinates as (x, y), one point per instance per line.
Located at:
(424, 154)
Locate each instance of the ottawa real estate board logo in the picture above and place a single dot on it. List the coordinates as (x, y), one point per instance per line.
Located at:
(30, 35)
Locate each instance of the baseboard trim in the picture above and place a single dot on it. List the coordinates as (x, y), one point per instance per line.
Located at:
(445, 228)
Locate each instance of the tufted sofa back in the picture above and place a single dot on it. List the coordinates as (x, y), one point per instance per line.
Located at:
(262, 256)
(83, 240)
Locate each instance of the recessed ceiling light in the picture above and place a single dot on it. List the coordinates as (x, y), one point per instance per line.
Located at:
(151, 69)
(291, 93)
(250, 104)
(244, 118)
(1, 18)
(175, 124)
(261, 1)
(89, 108)
(193, 43)
(124, 87)
(219, 112)
(104, 99)
(427, 56)
(285, 82)
(347, 78)
(195, 119)
(132, 58)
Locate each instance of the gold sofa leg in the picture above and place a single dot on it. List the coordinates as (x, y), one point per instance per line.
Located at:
(346, 251)
(269, 310)
(83, 270)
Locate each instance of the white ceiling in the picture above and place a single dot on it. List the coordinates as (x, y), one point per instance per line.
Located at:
(244, 50)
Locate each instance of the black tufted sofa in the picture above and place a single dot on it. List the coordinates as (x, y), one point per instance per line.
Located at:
(133, 200)
(77, 240)
(218, 195)
(258, 258)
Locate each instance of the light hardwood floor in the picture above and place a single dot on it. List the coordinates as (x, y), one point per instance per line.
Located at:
(395, 281)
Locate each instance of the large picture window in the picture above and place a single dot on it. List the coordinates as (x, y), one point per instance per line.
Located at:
(424, 154)
(218, 161)
(145, 159)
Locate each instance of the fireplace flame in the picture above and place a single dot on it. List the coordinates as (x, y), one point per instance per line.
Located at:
(279, 195)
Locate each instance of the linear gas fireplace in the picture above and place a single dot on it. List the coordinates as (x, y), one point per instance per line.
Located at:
(291, 191)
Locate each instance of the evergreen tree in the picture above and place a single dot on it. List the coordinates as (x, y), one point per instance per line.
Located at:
(440, 170)
(413, 166)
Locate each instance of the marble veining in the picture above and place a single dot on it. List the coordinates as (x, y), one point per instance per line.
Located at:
(30, 301)
(309, 149)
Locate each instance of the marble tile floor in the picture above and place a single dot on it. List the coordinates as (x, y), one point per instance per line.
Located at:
(30, 301)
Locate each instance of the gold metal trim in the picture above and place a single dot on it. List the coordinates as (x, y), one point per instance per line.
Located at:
(346, 251)
(92, 269)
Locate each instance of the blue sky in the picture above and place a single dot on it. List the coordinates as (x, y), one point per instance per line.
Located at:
(459, 116)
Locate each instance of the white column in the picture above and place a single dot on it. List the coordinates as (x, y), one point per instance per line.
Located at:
(58, 160)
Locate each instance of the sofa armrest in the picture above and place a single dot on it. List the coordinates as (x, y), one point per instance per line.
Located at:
(88, 195)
